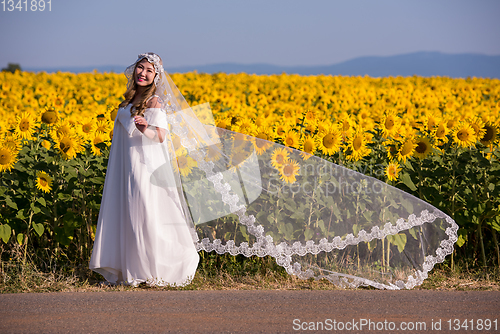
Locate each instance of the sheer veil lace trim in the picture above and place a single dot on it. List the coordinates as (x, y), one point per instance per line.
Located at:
(159, 282)
(283, 252)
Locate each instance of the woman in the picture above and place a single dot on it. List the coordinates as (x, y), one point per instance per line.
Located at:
(142, 235)
(172, 172)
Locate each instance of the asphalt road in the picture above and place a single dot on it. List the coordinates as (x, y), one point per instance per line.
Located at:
(349, 311)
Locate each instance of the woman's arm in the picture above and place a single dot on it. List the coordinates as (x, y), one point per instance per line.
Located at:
(142, 125)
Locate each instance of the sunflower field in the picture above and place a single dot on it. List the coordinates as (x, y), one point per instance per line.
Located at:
(436, 138)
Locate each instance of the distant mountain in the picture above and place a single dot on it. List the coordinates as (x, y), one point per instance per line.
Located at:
(419, 63)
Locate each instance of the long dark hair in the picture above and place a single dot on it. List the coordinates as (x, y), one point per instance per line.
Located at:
(140, 106)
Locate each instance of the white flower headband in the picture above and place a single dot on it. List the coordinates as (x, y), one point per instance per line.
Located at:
(152, 58)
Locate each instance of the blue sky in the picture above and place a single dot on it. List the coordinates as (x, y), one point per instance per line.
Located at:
(189, 32)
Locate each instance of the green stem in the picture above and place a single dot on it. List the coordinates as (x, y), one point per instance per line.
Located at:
(383, 253)
(495, 242)
(1, 264)
(479, 227)
(420, 179)
(26, 239)
(483, 253)
(388, 253)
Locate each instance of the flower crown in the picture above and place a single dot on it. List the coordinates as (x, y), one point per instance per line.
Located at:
(152, 58)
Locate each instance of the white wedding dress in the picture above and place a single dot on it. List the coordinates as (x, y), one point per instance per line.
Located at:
(141, 232)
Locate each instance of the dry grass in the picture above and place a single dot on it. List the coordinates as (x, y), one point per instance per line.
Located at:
(15, 278)
(442, 278)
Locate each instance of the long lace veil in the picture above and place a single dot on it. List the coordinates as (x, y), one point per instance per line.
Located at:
(245, 195)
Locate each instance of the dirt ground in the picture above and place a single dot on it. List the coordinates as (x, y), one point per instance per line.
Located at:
(354, 311)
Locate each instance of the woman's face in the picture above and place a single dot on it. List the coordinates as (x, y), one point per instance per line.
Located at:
(144, 73)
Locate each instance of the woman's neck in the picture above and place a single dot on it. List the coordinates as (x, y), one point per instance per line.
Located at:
(138, 93)
(139, 90)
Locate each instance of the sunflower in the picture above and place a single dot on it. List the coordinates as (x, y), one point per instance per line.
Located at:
(260, 122)
(329, 140)
(213, 152)
(103, 125)
(291, 139)
(98, 138)
(347, 126)
(363, 115)
(307, 144)
(392, 149)
(43, 182)
(392, 171)
(478, 125)
(490, 134)
(464, 135)
(431, 122)
(31, 101)
(6, 86)
(239, 140)
(25, 124)
(49, 116)
(263, 139)
(46, 144)
(245, 123)
(42, 101)
(58, 102)
(289, 116)
(440, 133)
(239, 156)
(186, 164)
(310, 116)
(406, 149)
(250, 129)
(62, 129)
(367, 123)
(450, 123)
(280, 130)
(424, 147)
(12, 142)
(289, 170)
(311, 126)
(280, 155)
(87, 126)
(261, 145)
(356, 146)
(176, 141)
(389, 124)
(180, 151)
(98, 96)
(112, 114)
(224, 123)
(8, 158)
(68, 146)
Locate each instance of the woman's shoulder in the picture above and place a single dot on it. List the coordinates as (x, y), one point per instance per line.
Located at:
(125, 107)
(153, 106)
(153, 102)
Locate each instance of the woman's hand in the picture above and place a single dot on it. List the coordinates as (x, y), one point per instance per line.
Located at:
(140, 123)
